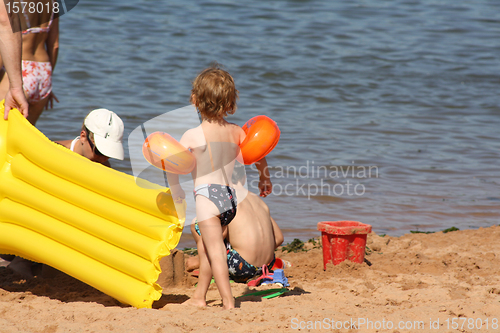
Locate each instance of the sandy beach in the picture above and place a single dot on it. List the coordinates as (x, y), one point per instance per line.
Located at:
(441, 282)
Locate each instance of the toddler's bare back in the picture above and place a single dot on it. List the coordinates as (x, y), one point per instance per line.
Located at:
(215, 147)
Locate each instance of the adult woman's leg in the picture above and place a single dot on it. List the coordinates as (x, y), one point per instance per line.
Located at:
(36, 109)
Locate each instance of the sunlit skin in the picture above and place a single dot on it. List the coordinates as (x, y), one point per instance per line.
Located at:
(84, 148)
(40, 47)
(10, 49)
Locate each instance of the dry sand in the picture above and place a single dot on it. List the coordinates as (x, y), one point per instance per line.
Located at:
(452, 277)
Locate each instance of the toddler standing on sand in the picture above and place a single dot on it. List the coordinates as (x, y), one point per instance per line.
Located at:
(215, 145)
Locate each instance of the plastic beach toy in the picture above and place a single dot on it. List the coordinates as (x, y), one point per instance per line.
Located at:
(80, 217)
(266, 276)
(164, 152)
(343, 240)
(277, 277)
(281, 264)
(268, 293)
(263, 135)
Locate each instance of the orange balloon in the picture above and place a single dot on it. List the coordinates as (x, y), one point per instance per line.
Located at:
(164, 152)
(263, 135)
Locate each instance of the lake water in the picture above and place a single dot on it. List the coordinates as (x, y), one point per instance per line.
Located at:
(389, 110)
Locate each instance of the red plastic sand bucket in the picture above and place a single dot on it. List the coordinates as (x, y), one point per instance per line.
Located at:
(343, 240)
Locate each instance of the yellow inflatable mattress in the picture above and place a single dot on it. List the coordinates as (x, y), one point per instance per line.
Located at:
(89, 221)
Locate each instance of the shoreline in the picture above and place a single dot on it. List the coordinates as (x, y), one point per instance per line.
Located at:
(305, 234)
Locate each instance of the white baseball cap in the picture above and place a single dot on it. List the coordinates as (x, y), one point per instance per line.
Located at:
(108, 132)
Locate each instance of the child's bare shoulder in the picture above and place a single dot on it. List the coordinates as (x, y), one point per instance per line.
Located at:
(258, 202)
(237, 132)
(235, 129)
(193, 137)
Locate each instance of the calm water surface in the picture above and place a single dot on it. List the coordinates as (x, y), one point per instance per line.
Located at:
(402, 93)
